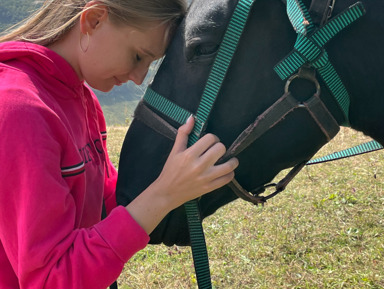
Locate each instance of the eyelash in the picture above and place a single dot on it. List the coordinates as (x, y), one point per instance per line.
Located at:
(138, 58)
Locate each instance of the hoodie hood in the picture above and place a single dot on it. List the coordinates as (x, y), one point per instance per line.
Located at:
(42, 59)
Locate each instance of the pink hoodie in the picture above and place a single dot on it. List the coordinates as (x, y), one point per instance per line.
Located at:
(54, 173)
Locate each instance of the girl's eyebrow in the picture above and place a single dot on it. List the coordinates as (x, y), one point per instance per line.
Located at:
(150, 53)
(153, 54)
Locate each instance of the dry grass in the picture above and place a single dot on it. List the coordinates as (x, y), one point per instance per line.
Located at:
(115, 140)
(325, 231)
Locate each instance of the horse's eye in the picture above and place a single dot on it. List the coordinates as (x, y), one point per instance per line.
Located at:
(197, 50)
(205, 50)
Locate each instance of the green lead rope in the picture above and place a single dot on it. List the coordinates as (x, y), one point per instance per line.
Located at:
(216, 77)
(198, 245)
(354, 151)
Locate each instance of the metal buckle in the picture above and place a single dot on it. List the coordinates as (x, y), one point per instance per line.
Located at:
(260, 190)
(200, 125)
(331, 7)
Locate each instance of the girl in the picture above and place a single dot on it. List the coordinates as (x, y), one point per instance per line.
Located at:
(55, 169)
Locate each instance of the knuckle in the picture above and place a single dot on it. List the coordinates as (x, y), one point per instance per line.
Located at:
(230, 166)
(211, 137)
(234, 162)
(206, 188)
(221, 148)
(229, 177)
(181, 130)
(188, 156)
(197, 170)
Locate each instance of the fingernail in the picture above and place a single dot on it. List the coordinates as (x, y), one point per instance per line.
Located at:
(190, 117)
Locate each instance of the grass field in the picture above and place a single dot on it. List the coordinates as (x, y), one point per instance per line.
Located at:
(326, 230)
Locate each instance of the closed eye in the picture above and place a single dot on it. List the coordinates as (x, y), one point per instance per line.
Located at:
(197, 49)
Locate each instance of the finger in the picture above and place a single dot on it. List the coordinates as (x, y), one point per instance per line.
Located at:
(183, 132)
(213, 154)
(204, 144)
(222, 181)
(224, 174)
(219, 182)
(227, 167)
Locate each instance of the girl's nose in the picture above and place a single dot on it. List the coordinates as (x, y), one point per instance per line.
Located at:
(138, 75)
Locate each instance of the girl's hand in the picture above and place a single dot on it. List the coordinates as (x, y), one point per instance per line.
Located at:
(187, 174)
(191, 172)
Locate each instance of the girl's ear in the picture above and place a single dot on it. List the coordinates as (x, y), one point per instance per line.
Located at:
(94, 13)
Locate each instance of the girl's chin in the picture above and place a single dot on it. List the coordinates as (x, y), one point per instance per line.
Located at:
(106, 89)
(102, 88)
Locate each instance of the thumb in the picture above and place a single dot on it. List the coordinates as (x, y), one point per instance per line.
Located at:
(183, 132)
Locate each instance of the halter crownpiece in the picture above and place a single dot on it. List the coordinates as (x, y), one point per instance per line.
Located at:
(309, 48)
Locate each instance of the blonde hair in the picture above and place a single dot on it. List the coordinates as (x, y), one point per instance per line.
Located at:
(56, 17)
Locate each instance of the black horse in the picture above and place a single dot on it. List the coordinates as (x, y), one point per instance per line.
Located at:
(250, 87)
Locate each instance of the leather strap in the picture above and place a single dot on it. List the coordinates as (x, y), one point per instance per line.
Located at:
(154, 121)
(321, 10)
(321, 115)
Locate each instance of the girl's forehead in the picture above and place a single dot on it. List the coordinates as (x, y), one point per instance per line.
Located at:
(153, 41)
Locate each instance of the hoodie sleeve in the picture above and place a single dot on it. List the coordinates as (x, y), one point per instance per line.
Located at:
(38, 211)
(110, 188)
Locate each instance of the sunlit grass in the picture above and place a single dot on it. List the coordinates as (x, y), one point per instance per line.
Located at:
(326, 230)
(115, 140)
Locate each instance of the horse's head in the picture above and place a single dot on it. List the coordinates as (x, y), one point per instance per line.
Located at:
(251, 86)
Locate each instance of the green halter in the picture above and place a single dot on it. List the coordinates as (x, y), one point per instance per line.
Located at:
(309, 48)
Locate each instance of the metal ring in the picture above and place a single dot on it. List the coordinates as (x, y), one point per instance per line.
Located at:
(293, 77)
